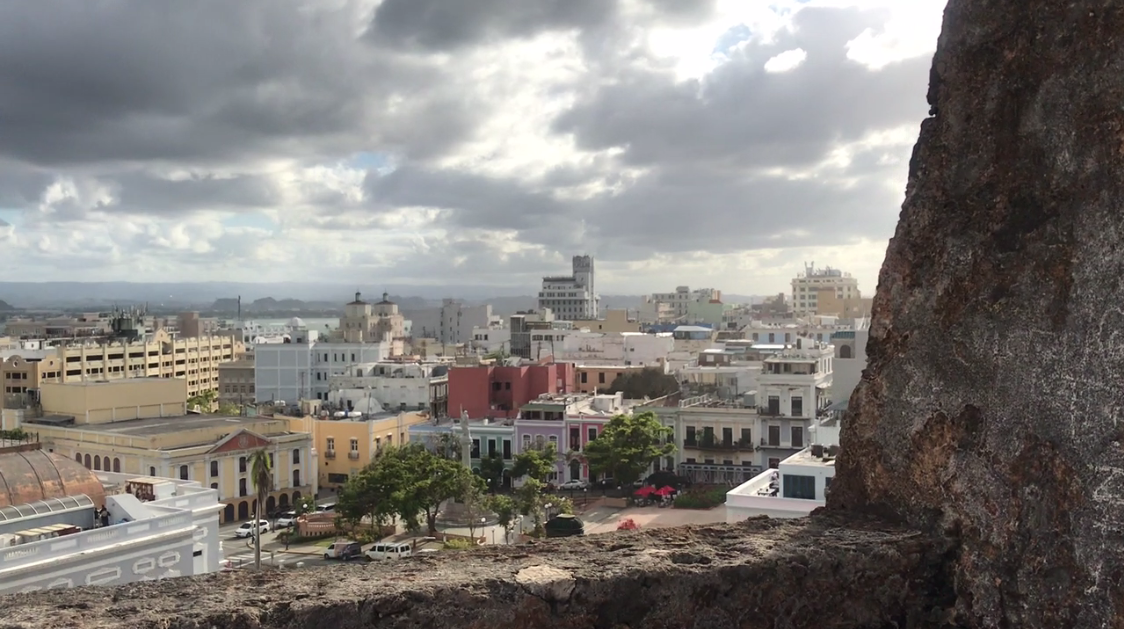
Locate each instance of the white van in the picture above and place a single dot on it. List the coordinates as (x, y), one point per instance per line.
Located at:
(391, 550)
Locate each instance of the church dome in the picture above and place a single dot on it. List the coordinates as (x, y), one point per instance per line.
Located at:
(38, 475)
(296, 323)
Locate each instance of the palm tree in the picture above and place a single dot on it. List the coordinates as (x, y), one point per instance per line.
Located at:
(262, 477)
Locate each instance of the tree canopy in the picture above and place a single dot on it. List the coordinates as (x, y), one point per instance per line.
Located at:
(627, 446)
(491, 470)
(536, 462)
(408, 481)
(650, 382)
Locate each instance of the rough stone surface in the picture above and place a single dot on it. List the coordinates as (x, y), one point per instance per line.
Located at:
(991, 410)
(830, 572)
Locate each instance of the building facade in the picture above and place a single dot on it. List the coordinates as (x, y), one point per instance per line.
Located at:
(395, 386)
(572, 297)
(236, 382)
(302, 368)
(500, 391)
(153, 527)
(487, 438)
(826, 285)
(629, 349)
(797, 486)
(677, 305)
(451, 323)
(347, 445)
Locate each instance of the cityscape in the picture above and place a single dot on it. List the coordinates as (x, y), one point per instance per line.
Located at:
(158, 418)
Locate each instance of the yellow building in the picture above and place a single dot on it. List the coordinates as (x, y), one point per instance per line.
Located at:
(346, 446)
(140, 426)
(194, 359)
(19, 374)
(614, 321)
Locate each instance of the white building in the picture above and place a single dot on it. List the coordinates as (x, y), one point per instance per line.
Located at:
(303, 367)
(793, 392)
(571, 297)
(850, 360)
(806, 288)
(394, 386)
(450, 323)
(486, 340)
(163, 528)
(611, 348)
(798, 486)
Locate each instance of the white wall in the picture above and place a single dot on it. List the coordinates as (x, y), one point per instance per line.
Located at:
(615, 348)
(848, 371)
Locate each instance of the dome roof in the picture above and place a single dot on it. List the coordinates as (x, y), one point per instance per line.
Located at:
(37, 475)
(296, 322)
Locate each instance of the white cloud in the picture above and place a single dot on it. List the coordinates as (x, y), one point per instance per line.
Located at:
(787, 60)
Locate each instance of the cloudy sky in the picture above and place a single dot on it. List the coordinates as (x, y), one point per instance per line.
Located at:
(702, 142)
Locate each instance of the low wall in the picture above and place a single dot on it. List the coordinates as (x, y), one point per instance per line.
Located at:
(821, 571)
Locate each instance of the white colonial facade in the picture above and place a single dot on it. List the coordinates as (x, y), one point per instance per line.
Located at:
(610, 348)
(302, 368)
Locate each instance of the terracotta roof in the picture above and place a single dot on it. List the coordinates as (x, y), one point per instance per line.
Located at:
(38, 475)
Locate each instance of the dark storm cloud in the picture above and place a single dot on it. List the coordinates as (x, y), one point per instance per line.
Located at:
(477, 201)
(141, 194)
(117, 80)
(741, 116)
(445, 25)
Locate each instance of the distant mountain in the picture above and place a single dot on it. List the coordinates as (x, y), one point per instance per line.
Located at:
(4, 306)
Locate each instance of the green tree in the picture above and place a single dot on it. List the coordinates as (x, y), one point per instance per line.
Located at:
(628, 445)
(505, 508)
(536, 462)
(204, 400)
(262, 477)
(491, 470)
(650, 382)
(370, 494)
(228, 409)
(447, 446)
(425, 480)
(531, 502)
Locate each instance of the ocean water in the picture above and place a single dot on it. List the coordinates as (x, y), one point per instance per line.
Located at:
(313, 323)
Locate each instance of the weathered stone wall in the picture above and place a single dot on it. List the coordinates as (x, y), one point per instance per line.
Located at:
(992, 405)
(831, 572)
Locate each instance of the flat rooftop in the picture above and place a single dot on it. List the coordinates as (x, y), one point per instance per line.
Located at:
(110, 383)
(804, 457)
(152, 426)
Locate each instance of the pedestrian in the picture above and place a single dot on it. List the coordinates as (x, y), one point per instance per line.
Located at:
(286, 542)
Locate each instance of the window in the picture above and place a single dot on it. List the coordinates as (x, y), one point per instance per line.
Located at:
(214, 469)
(475, 449)
(691, 438)
(507, 386)
(496, 386)
(241, 486)
(797, 406)
(554, 439)
(296, 457)
(575, 438)
(774, 405)
(354, 445)
(845, 351)
(331, 444)
(271, 466)
(97, 462)
(337, 479)
(584, 377)
(507, 449)
(183, 472)
(152, 471)
(799, 486)
(797, 437)
(491, 447)
(601, 377)
(242, 466)
(296, 478)
(215, 486)
(727, 437)
(78, 458)
(774, 435)
(526, 442)
(592, 434)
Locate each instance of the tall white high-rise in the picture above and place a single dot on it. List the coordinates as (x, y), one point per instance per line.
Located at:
(571, 297)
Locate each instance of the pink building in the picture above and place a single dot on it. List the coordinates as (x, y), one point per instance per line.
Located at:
(499, 392)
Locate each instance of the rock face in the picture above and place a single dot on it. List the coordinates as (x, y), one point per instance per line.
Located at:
(992, 409)
(831, 572)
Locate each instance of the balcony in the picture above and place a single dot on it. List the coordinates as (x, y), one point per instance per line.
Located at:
(769, 412)
(329, 454)
(715, 445)
(353, 455)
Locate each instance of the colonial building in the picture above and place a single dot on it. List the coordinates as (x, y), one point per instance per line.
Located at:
(573, 296)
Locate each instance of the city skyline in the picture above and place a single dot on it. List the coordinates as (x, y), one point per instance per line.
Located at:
(716, 145)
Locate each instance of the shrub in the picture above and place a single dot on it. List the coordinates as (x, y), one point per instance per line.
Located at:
(701, 499)
(457, 544)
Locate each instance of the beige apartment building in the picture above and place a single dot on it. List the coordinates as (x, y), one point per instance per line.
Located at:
(159, 355)
(615, 321)
(821, 289)
(141, 426)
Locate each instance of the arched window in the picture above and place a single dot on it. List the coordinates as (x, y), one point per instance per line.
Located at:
(241, 486)
(78, 457)
(296, 478)
(152, 471)
(215, 486)
(296, 457)
(116, 465)
(845, 351)
(183, 472)
(214, 468)
(97, 462)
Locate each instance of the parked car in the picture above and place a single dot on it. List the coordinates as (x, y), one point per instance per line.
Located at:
(391, 550)
(327, 506)
(343, 550)
(287, 519)
(564, 525)
(573, 484)
(247, 528)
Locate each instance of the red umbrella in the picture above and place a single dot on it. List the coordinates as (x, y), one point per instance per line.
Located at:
(645, 490)
(666, 490)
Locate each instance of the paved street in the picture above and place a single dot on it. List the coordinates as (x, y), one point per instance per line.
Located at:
(240, 552)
